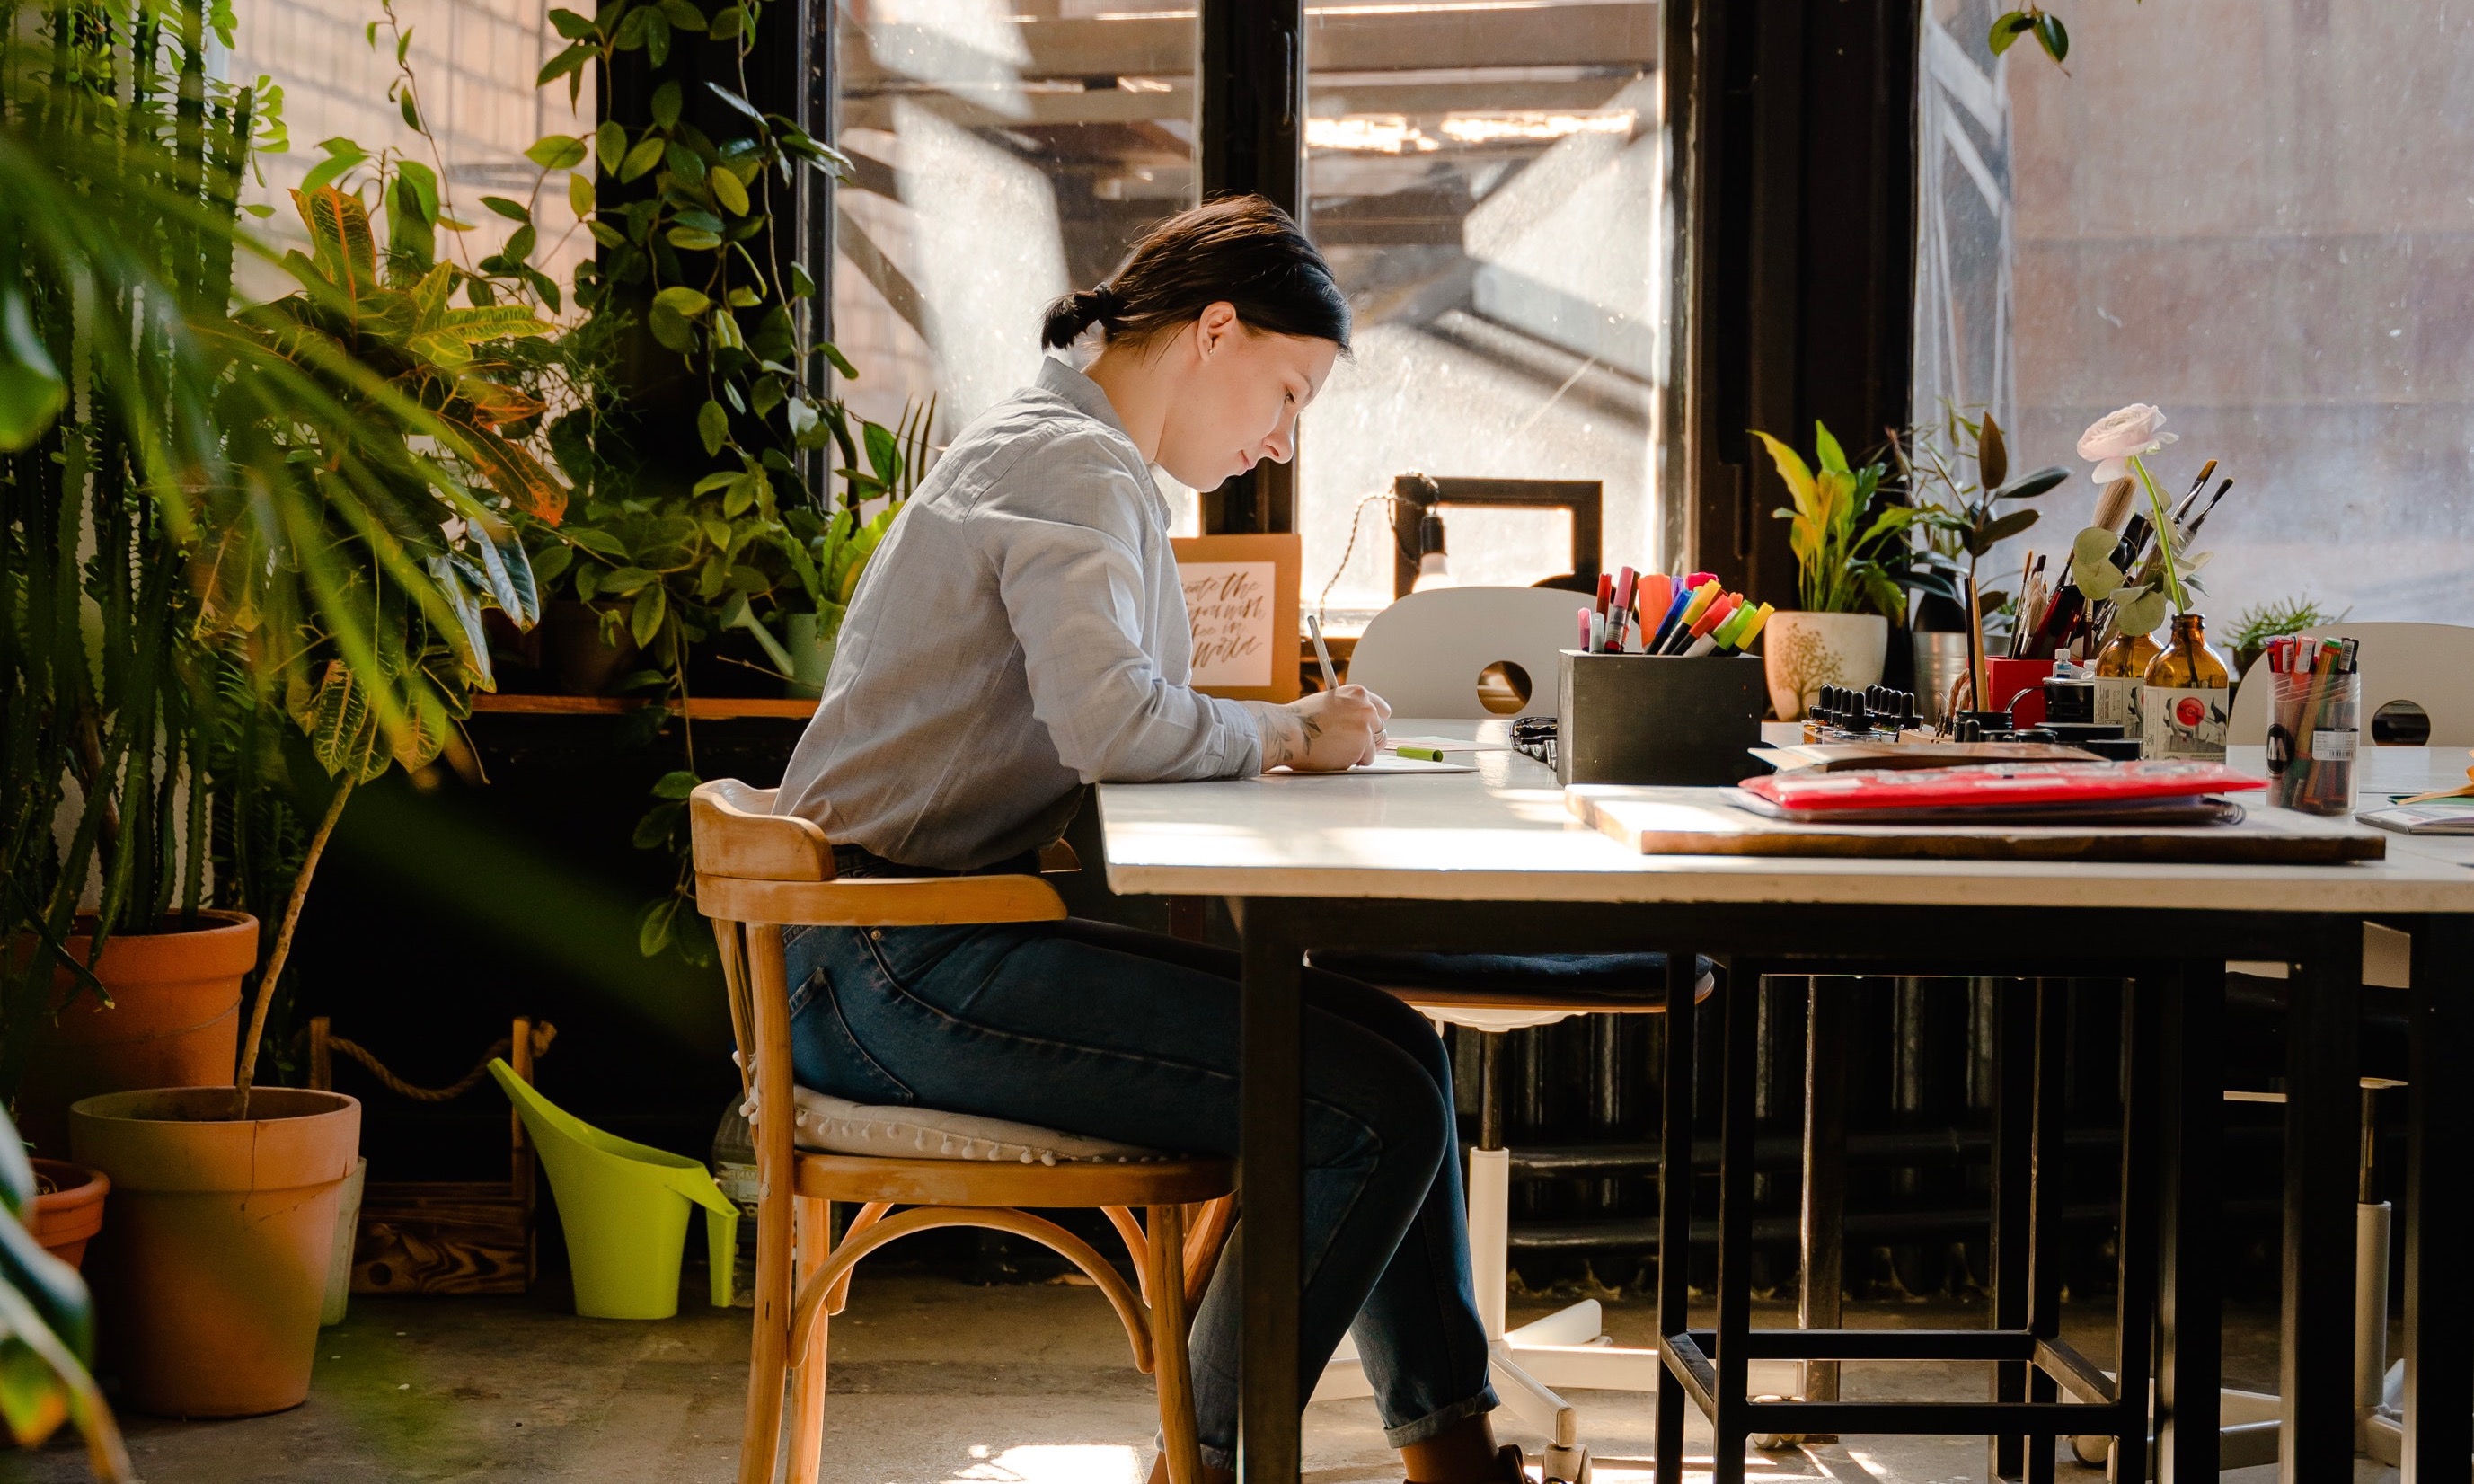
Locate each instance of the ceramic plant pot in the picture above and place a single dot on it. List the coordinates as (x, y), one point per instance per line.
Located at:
(1800, 652)
(811, 658)
(338, 1302)
(68, 1208)
(174, 1021)
(209, 1280)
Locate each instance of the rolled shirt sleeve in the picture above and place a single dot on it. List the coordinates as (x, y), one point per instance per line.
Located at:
(1076, 594)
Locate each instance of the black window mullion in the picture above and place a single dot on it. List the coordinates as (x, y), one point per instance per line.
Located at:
(1251, 127)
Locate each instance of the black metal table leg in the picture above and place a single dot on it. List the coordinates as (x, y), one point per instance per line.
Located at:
(2048, 1166)
(2191, 1349)
(2321, 1150)
(1270, 1172)
(2014, 1065)
(1820, 1287)
(2137, 1243)
(1675, 1211)
(1741, 1071)
(2438, 1290)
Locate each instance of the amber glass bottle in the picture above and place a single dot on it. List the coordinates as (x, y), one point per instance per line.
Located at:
(2121, 671)
(2188, 693)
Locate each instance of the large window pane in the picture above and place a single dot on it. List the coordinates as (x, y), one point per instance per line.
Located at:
(1485, 177)
(472, 65)
(1007, 150)
(2240, 213)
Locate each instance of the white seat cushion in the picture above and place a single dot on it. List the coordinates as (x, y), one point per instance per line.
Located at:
(837, 1126)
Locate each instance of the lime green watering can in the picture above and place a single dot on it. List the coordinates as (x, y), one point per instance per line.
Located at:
(625, 1209)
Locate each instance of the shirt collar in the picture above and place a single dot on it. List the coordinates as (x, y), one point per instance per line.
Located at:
(1056, 375)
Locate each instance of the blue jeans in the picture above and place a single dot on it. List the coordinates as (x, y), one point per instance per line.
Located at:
(1105, 1031)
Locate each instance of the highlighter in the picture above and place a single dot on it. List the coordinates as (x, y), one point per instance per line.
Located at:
(1706, 620)
(1666, 625)
(1752, 628)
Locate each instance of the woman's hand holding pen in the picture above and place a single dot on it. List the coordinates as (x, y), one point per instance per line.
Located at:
(1326, 732)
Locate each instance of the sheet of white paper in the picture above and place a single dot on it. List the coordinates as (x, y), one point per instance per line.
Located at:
(1447, 744)
(1384, 763)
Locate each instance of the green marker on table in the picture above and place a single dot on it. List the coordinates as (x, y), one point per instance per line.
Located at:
(1421, 754)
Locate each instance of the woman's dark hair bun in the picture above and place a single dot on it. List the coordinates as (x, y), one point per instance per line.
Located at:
(1242, 249)
(1070, 315)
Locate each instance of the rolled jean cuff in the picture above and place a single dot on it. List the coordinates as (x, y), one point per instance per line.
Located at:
(1435, 1422)
(1218, 1457)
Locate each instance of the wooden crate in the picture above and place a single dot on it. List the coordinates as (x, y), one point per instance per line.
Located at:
(442, 1237)
(445, 1236)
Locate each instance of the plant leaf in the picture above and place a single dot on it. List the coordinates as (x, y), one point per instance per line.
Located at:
(556, 152)
(2092, 564)
(712, 425)
(1824, 448)
(2056, 38)
(644, 621)
(2047, 478)
(1991, 455)
(1791, 468)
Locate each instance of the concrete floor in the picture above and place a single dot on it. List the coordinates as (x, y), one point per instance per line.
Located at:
(936, 1382)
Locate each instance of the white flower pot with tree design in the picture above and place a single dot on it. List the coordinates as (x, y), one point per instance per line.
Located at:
(1800, 652)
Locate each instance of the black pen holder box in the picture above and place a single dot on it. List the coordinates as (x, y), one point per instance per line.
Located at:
(1658, 718)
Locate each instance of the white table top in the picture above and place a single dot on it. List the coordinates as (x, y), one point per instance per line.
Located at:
(1503, 834)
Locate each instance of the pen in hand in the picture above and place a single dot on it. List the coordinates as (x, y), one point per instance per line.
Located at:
(1322, 654)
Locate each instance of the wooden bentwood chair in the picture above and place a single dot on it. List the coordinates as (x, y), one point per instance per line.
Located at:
(758, 872)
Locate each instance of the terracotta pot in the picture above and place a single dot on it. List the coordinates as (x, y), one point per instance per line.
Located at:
(209, 1280)
(578, 662)
(68, 1208)
(174, 1021)
(1800, 652)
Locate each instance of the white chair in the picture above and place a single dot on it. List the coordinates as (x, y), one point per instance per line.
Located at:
(2430, 666)
(1430, 655)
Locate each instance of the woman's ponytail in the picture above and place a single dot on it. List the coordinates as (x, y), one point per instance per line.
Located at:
(1067, 317)
(1243, 251)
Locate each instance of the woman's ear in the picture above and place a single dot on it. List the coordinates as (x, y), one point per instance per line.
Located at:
(1214, 328)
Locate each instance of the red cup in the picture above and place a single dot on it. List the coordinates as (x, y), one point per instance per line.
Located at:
(2022, 681)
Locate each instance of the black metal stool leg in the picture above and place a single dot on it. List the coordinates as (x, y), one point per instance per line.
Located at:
(1675, 1211)
(2014, 1105)
(2189, 1319)
(2045, 1196)
(2136, 1245)
(2322, 1159)
(1821, 1288)
(2439, 1292)
(1742, 1066)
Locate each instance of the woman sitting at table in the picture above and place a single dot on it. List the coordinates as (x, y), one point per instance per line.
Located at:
(1021, 634)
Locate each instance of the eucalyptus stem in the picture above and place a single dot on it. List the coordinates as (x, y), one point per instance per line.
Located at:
(247, 1072)
(2165, 537)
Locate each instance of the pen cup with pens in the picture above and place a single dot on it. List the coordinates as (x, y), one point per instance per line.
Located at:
(2311, 740)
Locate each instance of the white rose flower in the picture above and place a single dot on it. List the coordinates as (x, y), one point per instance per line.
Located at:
(2117, 438)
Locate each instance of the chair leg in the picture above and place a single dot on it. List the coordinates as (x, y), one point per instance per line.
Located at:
(769, 1360)
(1171, 1371)
(814, 1224)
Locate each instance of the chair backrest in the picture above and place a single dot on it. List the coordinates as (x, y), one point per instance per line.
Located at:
(2426, 664)
(1425, 653)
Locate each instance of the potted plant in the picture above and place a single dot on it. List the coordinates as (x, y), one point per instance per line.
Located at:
(46, 1332)
(117, 969)
(297, 513)
(1848, 544)
(67, 1209)
(1960, 519)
